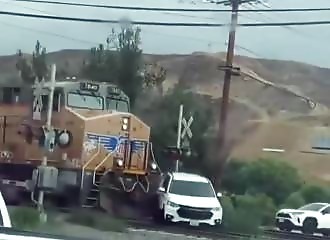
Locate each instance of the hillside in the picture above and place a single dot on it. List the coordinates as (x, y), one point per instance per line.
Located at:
(282, 101)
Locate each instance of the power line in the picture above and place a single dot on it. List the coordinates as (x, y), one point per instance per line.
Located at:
(175, 9)
(169, 24)
(42, 31)
(50, 33)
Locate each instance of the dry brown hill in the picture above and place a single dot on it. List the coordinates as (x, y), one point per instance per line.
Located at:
(286, 102)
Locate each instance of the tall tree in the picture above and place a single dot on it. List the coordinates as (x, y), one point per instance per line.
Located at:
(130, 77)
(119, 62)
(35, 68)
(164, 132)
(154, 76)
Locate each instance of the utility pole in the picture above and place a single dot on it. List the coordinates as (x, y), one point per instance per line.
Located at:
(227, 79)
(48, 130)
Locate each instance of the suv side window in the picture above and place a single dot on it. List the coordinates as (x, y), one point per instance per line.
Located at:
(166, 182)
(326, 211)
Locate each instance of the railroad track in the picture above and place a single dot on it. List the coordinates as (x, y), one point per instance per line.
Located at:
(211, 233)
(220, 234)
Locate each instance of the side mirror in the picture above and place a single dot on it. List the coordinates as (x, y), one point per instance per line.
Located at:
(161, 189)
(219, 194)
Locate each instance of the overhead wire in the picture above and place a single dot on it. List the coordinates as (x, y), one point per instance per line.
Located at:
(153, 23)
(10, 24)
(291, 29)
(173, 9)
(88, 42)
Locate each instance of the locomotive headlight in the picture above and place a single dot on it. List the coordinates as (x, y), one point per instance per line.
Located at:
(153, 166)
(120, 162)
(124, 124)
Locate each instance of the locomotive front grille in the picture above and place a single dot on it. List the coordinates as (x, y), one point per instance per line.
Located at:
(195, 213)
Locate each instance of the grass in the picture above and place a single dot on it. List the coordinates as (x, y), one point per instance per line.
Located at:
(24, 218)
(97, 220)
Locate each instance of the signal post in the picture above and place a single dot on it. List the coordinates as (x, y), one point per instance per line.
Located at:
(49, 141)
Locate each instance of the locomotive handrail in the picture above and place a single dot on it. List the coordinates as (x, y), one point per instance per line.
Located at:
(88, 162)
(153, 157)
(100, 164)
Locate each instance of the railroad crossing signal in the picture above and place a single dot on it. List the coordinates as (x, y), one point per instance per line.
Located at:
(182, 122)
(186, 126)
(37, 102)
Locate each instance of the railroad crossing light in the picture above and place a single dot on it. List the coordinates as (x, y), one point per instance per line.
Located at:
(173, 152)
(26, 132)
(50, 140)
(41, 136)
(63, 138)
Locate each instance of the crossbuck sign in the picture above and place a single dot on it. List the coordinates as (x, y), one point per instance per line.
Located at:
(186, 129)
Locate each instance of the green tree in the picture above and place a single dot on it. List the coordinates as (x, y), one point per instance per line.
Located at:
(312, 193)
(165, 128)
(130, 77)
(233, 179)
(295, 200)
(154, 76)
(119, 62)
(35, 68)
(276, 179)
(102, 65)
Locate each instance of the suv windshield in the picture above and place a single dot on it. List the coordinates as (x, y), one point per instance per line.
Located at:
(77, 100)
(195, 189)
(312, 207)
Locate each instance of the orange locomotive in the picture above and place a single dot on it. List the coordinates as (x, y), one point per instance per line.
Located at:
(97, 142)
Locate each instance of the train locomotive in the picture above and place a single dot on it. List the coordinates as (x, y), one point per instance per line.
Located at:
(98, 144)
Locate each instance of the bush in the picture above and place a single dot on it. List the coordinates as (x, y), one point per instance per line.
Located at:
(228, 212)
(312, 193)
(237, 215)
(95, 220)
(267, 205)
(295, 200)
(24, 218)
(274, 178)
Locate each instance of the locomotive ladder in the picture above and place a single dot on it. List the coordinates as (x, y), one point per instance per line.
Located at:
(93, 197)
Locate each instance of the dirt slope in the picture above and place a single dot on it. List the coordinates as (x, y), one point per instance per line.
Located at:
(284, 101)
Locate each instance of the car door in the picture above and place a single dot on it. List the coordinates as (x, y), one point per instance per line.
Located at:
(324, 221)
(162, 194)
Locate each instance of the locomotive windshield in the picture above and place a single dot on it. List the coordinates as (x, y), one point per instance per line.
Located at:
(119, 105)
(87, 101)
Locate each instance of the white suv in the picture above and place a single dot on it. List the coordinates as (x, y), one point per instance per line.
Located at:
(188, 198)
(311, 218)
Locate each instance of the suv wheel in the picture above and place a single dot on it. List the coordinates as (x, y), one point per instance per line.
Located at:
(309, 226)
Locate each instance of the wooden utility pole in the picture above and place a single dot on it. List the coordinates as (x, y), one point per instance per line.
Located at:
(227, 79)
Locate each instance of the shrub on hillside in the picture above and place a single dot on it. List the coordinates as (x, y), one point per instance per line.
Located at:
(274, 178)
(312, 193)
(295, 200)
(237, 215)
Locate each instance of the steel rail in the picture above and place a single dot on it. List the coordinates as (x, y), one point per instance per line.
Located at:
(219, 233)
(207, 232)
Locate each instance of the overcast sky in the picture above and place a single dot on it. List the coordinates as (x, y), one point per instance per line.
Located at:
(305, 44)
